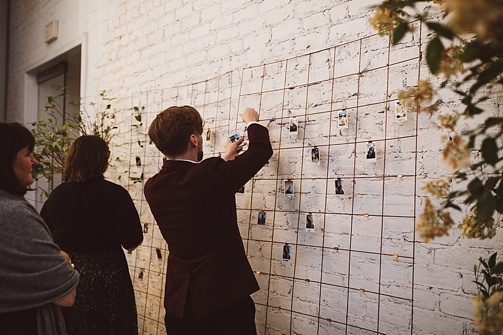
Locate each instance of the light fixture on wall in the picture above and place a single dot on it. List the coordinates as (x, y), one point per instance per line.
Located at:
(51, 31)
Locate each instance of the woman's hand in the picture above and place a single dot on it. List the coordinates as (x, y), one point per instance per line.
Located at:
(67, 258)
(69, 299)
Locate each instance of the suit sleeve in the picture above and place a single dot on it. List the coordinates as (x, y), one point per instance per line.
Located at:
(231, 175)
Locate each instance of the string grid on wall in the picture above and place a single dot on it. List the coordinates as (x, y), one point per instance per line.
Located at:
(328, 223)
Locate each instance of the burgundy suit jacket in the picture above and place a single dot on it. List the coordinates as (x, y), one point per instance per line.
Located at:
(194, 206)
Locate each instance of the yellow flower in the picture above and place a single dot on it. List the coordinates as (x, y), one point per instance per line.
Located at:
(456, 154)
(475, 16)
(494, 299)
(425, 91)
(488, 313)
(450, 64)
(413, 97)
(472, 227)
(449, 121)
(385, 20)
(447, 220)
(433, 223)
(438, 188)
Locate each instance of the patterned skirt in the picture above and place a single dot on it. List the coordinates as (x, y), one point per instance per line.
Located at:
(105, 302)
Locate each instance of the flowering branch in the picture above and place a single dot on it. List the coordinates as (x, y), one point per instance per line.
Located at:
(466, 50)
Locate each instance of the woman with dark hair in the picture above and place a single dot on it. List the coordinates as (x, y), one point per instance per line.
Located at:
(36, 277)
(93, 219)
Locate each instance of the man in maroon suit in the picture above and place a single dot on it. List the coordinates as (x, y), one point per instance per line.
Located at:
(209, 278)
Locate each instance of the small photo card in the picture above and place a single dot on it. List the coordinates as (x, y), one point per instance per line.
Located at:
(371, 152)
(261, 218)
(234, 137)
(315, 155)
(289, 188)
(309, 222)
(293, 125)
(400, 112)
(343, 120)
(138, 161)
(287, 252)
(339, 187)
(208, 135)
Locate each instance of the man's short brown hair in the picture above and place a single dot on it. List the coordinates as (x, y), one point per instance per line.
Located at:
(171, 129)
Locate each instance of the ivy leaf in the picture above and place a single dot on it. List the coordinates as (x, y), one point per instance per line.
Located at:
(449, 204)
(481, 286)
(471, 109)
(491, 182)
(499, 190)
(440, 29)
(499, 197)
(471, 141)
(483, 262)
(434, 54)
(470, 53)
(493, 121)
(492, 260)
(485, 206)
(490, 151)
(399, 32)
(499, 205)
(488, 75)
(476, 187)
(498, 268)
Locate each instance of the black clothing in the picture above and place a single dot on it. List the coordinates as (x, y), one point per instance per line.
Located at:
(105, 302)
(236, 319)
(92, 217)
(19, 323)
(92, 221)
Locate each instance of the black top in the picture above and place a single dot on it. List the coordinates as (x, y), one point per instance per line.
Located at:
(93, 217)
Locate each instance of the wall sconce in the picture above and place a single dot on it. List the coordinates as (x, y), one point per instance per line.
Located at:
(51, 31)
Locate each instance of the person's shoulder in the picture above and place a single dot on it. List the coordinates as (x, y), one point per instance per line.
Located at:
(206, 165)
(10, 202)
(15, 208)
(113, 186)
(61, 187)
(211, 160)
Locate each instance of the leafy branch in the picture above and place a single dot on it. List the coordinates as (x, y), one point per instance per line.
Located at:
(56, 131)
(467, 51)
(488, 305)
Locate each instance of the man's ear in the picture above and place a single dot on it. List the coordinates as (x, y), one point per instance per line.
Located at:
(193, 140)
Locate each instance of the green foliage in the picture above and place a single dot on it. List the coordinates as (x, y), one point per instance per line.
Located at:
(56, 131)
(434, 52)
(466, 47)
(481, 54)
(488, 276)
(488, 303)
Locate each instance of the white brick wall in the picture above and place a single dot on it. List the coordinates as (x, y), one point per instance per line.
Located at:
(149, 53)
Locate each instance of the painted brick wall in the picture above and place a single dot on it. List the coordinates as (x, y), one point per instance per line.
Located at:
(308, 59)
